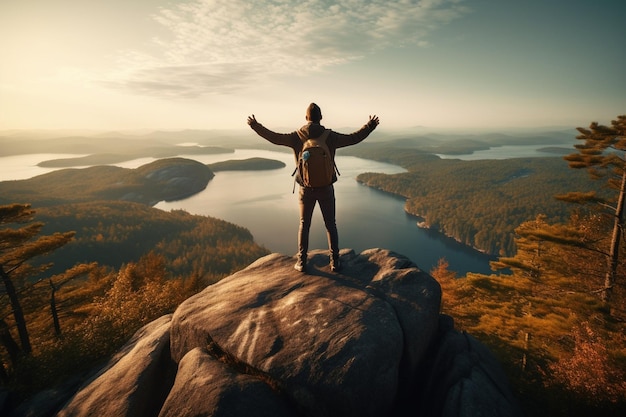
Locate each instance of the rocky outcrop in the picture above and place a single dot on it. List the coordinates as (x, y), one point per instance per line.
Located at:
(269, 341)
(133, 381)
(334, 343)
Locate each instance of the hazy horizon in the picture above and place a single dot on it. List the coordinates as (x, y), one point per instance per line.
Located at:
(386, 131)
(207, 64)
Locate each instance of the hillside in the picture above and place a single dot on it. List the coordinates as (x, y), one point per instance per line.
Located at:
(165, 179)
(479, 203)
(113, 233)
(109, 209)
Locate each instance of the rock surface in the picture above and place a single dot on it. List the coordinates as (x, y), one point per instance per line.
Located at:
(133, 381)
(270, 341)
(335, 342)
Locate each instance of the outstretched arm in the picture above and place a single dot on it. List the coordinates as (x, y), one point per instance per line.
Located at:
(359, 135)
(286, 139)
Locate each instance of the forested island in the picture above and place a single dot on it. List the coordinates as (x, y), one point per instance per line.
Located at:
(109, 209)
(165, 179)
(250, 164)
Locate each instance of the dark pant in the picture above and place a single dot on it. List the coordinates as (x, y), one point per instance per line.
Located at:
(325, 196)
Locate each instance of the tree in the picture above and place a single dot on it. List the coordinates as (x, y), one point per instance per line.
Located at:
(539, 249)
(57, 282)
(18, 245)
(447, 280)
(603, 154)
(589, 370)
(442, 271)
(528, 259)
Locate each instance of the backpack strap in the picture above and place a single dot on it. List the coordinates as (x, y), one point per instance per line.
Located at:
(324, 135)
(305, 138)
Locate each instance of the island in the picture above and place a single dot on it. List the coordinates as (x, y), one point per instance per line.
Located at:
(250, 164)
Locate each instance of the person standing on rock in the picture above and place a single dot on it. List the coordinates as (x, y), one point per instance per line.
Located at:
(313, 134)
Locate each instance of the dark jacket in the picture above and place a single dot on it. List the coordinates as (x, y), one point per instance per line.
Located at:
(312, 130)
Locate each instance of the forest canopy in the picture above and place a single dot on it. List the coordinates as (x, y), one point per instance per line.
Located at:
(109, 209)
(115, 232)
(479, 203)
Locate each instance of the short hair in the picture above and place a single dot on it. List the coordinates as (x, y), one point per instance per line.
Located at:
(314, 113)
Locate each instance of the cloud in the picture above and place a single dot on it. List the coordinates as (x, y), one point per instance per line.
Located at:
(219, 46)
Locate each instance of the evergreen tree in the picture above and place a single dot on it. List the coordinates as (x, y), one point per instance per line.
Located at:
(18, 245)
(539, 251)
(57, 282)
(603, 154)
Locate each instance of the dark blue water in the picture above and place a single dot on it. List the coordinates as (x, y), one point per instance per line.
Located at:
(401, 234)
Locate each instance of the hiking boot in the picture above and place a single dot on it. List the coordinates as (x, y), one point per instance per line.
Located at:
(335, 264)
(300, 265)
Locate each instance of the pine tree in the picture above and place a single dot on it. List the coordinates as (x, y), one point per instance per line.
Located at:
(57, 282)
(18, 245)
(603, 154)
(538, 248)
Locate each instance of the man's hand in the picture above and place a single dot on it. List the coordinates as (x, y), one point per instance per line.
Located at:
(252, 120)
(373, 122)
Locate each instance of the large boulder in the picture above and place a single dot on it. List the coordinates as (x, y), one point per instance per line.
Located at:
(270, 341)
(463, 379)
(208, 387)
(335, 342)
(136, 380)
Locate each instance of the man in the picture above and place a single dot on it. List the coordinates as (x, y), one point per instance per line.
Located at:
(324, 195)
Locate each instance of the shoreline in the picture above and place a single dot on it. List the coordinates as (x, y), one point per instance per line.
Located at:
(421, 222)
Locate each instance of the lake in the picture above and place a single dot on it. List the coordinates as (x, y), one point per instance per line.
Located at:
(263, 202)
(511, 151)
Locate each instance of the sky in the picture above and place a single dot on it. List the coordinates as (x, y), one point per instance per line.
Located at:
(208, 64)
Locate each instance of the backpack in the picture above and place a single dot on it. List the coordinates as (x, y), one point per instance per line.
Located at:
(316, 165)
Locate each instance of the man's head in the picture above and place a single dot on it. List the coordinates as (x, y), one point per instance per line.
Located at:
(313, 113)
